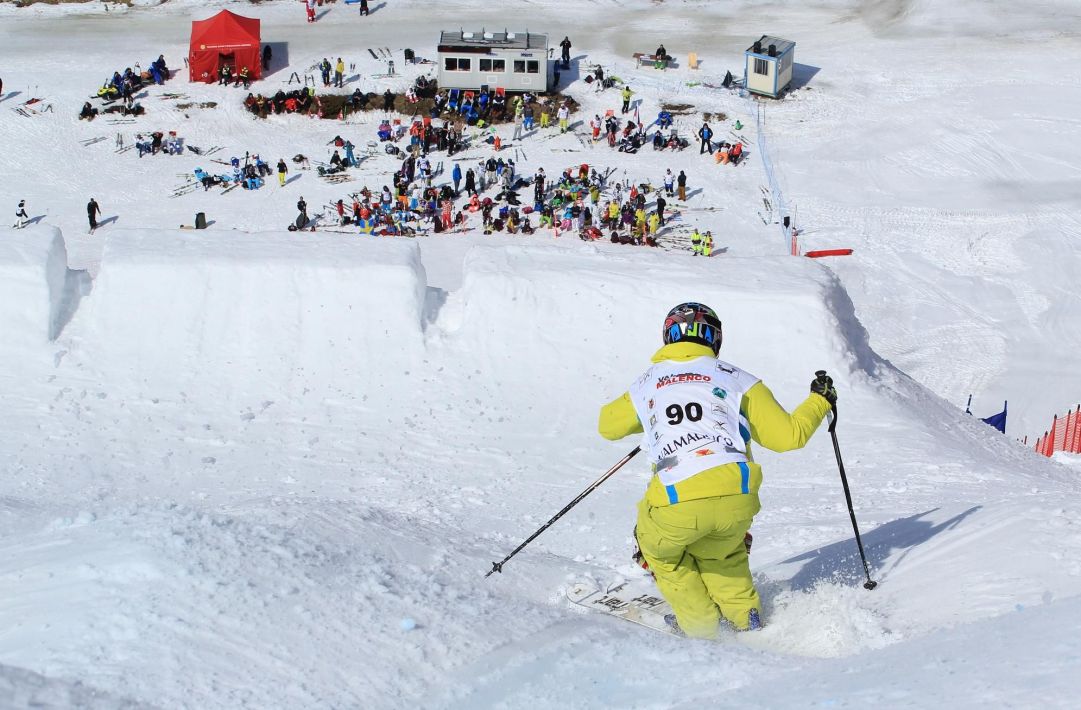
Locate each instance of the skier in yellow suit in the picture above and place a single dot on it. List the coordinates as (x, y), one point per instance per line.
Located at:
(699, 415)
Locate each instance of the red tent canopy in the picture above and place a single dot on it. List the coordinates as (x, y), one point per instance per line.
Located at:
(224, 39)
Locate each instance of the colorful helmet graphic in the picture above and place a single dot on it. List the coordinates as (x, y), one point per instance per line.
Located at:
(693, 323)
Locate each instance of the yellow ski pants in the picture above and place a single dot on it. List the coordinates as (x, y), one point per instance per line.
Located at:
(696, 552)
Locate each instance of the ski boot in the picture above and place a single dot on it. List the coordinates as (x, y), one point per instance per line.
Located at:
(670, 620)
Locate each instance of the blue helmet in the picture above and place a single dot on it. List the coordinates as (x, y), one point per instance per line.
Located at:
(693, 323)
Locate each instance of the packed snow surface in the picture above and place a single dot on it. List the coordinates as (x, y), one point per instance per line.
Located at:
(251, 468)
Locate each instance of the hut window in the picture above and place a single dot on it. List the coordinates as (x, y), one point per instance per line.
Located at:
(533, 67)
(761, 66)
(493, 65)
(519, 66)
(456, 64)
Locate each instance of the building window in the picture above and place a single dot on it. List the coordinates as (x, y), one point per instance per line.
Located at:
(761, 66)
(519, 66)
(489, 66)
(532, 67)
(456, 64)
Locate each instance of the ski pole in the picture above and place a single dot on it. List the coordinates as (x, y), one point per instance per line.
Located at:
(498, 566)
(869, 584)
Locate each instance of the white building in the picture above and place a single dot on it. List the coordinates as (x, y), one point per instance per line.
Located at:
(514, 61)
(768, 63)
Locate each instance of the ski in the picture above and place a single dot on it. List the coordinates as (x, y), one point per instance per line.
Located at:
(184, 190)
(230, 188)
(92, 141)
(636, 601)
(372, 53)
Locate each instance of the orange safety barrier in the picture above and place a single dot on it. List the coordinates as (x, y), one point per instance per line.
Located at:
(819, 253)
(1064, 435)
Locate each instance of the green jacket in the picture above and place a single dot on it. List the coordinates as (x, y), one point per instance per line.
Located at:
(770, 425)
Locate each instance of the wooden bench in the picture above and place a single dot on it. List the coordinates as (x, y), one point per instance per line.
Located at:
(650, 60)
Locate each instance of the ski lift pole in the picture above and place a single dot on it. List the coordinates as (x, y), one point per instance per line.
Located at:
(498, 566)
(870, 583)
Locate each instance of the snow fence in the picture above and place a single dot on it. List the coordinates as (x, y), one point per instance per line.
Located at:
(38, 293)
(266, 314)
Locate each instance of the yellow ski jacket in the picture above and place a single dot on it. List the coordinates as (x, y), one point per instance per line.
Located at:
(771, 426)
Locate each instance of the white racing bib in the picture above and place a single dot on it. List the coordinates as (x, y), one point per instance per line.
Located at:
(690, 411)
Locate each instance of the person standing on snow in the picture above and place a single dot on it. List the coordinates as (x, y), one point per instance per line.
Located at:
(456, 176)
(705, 133)
(302, 208)
(626, 95)
(699, 414)
(669, 182)
(339, 73)
(282, 170)
(20, 215)
(519, 124)
(92, 213)
(566, 45)
(563, 114)
(681, 182)
(595, 126)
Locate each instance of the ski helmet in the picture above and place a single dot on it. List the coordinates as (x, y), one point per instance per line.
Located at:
(693, 323)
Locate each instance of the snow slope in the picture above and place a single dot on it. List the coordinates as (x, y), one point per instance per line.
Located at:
(250, 458)
(39, 293)
(300, 524)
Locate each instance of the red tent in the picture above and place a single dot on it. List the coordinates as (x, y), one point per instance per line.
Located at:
(224, 39)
